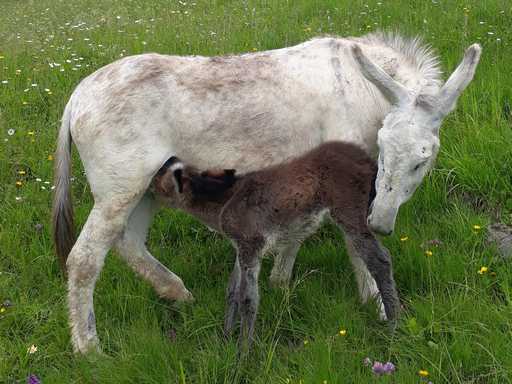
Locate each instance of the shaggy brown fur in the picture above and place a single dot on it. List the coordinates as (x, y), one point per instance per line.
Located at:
(261, 208)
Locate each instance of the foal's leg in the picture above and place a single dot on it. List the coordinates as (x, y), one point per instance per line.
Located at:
(283, 264)
(249, 253)
(366, 283)
(378, 262)
(85, 261)
(232, 295)
(132, 248)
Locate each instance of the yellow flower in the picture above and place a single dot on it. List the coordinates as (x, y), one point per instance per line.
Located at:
(32, 349)
(19, 183)
(50, 157)
(1, 57)
(423, 372)
(477, 227)
(324, 382)
(22, 172)
(50, 93)
(2, 310)
(483, 270)
(30, 133)
(428, 253)
(307, 29)
(404, 238)
(254, 49)
(18, 71)
(24, 102)
(343, 332)
(306, 342)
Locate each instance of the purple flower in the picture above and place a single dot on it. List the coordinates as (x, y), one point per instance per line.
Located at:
(389, 368)
(378, 368)
(33, 379)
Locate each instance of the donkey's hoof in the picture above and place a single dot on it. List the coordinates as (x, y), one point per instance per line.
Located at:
(90, 348)
(181, 294)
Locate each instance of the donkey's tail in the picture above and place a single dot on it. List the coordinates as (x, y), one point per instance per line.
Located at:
(63, 226)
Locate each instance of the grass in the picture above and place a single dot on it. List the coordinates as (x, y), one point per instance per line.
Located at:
(456, 323)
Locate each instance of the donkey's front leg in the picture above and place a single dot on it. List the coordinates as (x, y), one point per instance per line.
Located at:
(248, 301)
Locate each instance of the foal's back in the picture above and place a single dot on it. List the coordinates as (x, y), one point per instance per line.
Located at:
(334, 175)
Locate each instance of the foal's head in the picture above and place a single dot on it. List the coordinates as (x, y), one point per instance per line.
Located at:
(179, 182)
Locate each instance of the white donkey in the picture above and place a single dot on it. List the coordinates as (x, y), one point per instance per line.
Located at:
(244, 112)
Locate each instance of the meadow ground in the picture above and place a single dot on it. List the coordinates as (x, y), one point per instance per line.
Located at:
(456, 323)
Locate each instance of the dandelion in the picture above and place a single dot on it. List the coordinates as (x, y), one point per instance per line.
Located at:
(11, 132)
(428, 253)
(22, 172)
(30, 133)
(32, 349)
(24, 102)
(19, 183)
(50, 158)
(342, 332)
(404, 238)
(423, 373)
(483, 270)
(2, 310)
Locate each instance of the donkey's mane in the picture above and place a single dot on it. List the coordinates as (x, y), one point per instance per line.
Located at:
(414, 51)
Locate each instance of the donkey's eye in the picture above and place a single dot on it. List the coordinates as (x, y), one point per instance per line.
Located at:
(418, 166)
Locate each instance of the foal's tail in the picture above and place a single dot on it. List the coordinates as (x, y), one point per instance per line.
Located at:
(63, 226)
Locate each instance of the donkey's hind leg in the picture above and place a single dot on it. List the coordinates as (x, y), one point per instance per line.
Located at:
(85, 261)
(132, 248)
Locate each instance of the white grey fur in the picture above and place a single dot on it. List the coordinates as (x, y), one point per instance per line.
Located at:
(244, 112)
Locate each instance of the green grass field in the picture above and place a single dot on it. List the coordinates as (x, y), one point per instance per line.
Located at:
(456, 323)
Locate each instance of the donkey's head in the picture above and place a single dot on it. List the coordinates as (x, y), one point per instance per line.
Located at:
(409, 138)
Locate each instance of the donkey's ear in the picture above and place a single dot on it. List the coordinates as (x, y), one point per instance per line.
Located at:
(392, 90)
(459, 79)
